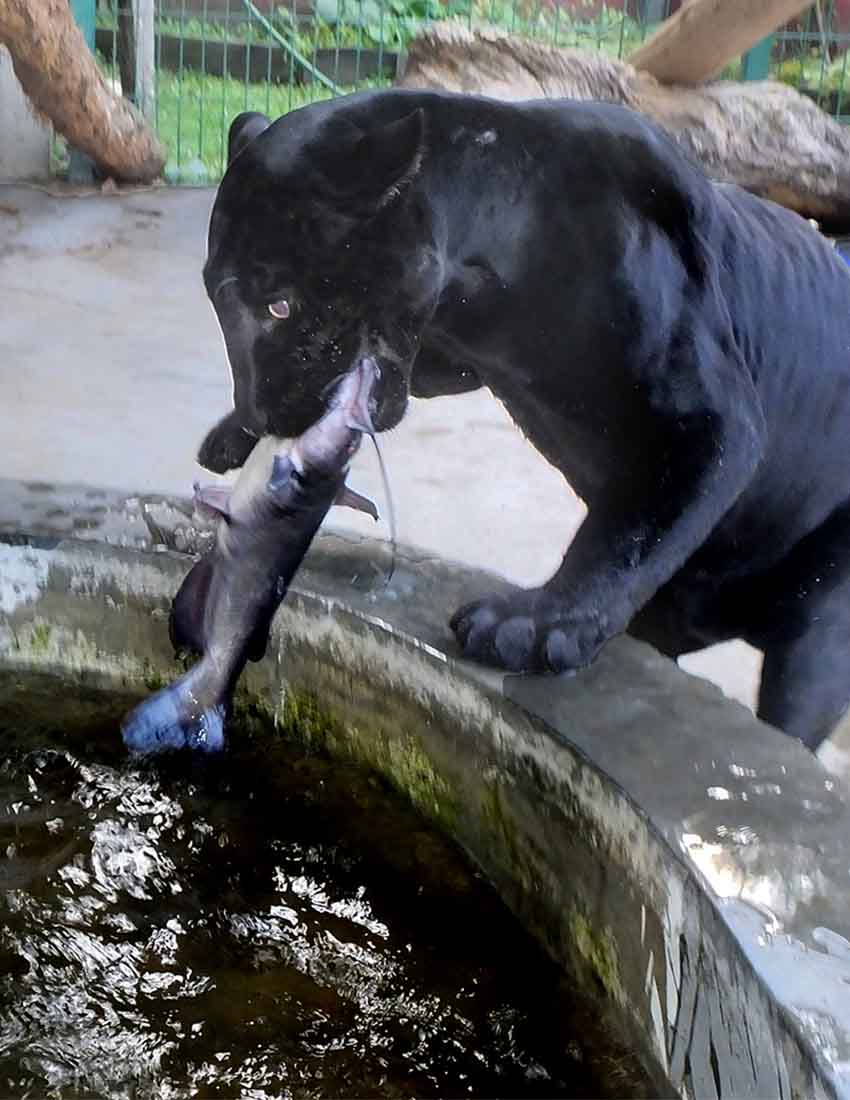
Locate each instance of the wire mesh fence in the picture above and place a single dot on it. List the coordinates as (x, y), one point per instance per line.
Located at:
(811, 56)
(215, 58)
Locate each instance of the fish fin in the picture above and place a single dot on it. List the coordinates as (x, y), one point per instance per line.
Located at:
(350, 498)
(166, 721)
(188, 608)
(282, 470)
(214, 500)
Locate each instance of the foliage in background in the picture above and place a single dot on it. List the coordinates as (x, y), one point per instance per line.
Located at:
(194, 108)
(391, 24)
(194, 112)
(813, 72)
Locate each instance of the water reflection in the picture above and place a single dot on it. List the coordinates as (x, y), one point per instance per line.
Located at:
(268, 926)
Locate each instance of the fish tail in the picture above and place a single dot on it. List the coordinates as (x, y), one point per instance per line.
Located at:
(177, 717)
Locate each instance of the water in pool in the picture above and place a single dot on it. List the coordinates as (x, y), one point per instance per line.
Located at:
(268, 924)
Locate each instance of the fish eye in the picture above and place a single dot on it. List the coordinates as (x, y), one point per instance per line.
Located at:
(279, 309)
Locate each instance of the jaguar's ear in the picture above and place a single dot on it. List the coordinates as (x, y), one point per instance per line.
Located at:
(369, 169)
(243, 130)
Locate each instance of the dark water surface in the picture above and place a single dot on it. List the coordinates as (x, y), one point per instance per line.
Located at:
(270, 924)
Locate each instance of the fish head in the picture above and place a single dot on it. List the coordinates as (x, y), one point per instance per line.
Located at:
(326, 448)
(321, 253)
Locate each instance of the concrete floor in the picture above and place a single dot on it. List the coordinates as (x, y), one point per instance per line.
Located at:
(112, 370)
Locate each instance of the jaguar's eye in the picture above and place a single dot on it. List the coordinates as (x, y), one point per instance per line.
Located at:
(279, 309)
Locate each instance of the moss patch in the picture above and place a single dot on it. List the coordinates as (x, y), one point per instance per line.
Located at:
(400, 759)
(152, 678)
(39, 641)
(493, 812)
(45, 646)
(300, 717)
(599, 951)
(411, 770)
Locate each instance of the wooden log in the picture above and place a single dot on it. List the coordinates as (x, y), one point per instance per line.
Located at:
(763, 136)
(704, 35)
(61, 78)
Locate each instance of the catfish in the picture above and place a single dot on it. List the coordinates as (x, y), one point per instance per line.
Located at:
(225, 606)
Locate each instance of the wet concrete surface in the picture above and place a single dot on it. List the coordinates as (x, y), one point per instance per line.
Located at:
(112, 370)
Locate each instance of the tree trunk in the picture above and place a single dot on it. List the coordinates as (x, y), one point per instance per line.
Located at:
(704, 35)
(60, 76)
(763, 136)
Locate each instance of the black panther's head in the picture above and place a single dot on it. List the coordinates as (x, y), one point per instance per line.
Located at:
(321, 250)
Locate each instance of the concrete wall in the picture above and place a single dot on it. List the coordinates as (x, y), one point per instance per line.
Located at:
(24, 141)
(686, 864)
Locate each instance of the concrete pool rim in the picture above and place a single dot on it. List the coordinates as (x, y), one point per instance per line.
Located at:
(684, 860)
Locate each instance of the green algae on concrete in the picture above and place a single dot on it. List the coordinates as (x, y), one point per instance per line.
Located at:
(411, 769)
(599, 950)
(591, 949)
(40, 637)
(493, 812)
(73, 650)
(152, 678)
(77, 656)
(300, 716)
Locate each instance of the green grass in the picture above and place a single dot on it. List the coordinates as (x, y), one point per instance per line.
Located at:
(194, 110)
(392, 23)
(194, 113)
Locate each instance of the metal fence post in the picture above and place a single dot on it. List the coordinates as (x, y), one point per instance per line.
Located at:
(756, 62)
(80, 167)
(145, 93)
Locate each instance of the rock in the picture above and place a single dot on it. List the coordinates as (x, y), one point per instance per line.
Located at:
(762, 135)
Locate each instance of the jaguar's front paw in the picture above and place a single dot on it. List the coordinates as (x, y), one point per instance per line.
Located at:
(226, 446)
(531, 631)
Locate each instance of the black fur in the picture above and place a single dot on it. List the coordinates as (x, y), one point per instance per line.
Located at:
(680, 350)
(243, 130)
